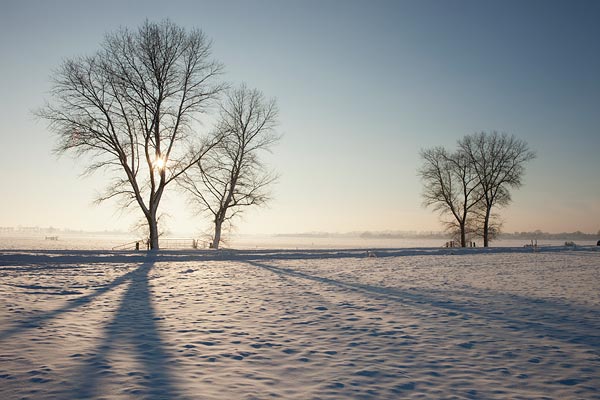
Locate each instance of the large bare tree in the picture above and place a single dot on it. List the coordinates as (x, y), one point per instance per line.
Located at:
(130, 108)
(232, 176)
(450, 187)
(498, 161)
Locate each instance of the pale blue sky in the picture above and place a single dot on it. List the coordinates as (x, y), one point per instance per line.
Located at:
(362, 86)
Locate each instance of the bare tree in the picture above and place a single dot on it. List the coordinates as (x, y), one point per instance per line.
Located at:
(232, 176)
(476, 223)
(450, 187)
(498, 161)
(130, 107)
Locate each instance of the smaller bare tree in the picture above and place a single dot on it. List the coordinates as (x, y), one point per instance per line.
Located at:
(478, 226)
(450, 187)
(498, 161)
(231, 176)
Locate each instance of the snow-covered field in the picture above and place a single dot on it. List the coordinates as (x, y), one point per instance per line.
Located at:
(504, 323)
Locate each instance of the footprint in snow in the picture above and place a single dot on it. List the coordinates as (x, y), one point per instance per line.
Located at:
(570, 382)
(38, 379)
(404, 387)
(368, 373)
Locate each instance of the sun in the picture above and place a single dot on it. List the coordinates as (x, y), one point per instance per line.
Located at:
(159, 163)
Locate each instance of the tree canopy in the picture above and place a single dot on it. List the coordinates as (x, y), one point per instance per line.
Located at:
(131, 107)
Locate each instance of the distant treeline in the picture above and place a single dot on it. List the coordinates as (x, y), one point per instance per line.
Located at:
(578, 235)
(368, 235)
(7, 230)
(404, 235)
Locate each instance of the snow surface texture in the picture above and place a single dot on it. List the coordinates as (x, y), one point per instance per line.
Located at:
(412, 323)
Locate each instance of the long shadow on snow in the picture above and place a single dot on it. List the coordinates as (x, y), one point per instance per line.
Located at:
(547, 319)
(133, 328)
(38, 320)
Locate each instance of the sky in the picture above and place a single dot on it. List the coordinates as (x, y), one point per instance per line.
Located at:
(362, 87)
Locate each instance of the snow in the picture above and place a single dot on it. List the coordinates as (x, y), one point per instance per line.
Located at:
(301, 324)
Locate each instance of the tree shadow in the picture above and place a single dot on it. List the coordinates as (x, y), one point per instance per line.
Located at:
(38, 320)
(134, 329)
(566, 322)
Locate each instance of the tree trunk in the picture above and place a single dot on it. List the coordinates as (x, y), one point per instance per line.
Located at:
(486, 228)
(153, 209)
(153, 228)
(217, 237)
(463, 236)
